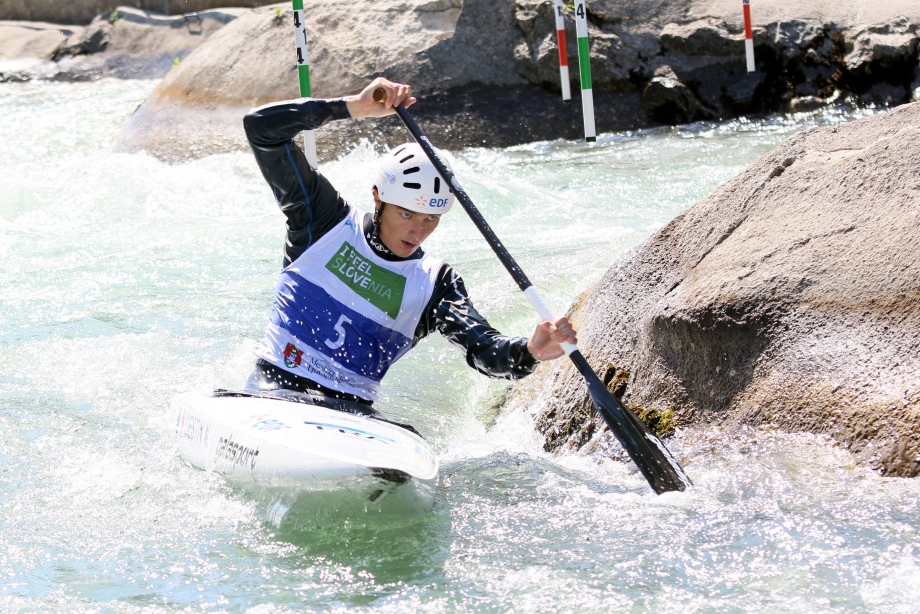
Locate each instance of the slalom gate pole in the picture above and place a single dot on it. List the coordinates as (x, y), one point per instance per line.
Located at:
(563, 55)
(584, 66)
(748, 36)
(655, 462)
(303, 72)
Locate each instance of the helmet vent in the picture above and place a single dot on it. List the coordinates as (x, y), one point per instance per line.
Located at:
(408, 179)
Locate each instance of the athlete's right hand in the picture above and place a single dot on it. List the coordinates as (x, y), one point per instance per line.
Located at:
(364, 105)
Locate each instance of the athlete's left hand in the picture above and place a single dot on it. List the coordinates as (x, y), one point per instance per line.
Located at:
(544, 343)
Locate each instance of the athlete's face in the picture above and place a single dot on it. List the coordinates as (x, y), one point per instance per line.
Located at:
(402, 231)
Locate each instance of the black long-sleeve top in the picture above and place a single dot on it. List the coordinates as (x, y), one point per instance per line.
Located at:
(312, 207)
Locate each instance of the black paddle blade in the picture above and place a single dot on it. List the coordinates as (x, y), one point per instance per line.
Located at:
(662, 471)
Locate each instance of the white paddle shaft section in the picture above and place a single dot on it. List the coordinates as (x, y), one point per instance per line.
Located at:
(748, 36)
(546, 313)
(584, 67)
(563, 54)
(303, 71)
(309, 148)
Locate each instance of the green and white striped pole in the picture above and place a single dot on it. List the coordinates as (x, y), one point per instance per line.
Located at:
(584, 66)
(303, 71)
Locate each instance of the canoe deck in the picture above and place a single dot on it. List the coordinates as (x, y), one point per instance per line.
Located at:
(321, 452)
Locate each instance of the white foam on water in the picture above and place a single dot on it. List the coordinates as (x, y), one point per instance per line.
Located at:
(126, 281)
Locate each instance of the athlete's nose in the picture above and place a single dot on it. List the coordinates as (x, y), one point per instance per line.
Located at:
(417, 229)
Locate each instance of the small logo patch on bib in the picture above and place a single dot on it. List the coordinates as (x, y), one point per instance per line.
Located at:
(292, 356)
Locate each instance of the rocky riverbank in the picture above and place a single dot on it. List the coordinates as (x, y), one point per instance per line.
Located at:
(123, 43)
(82, 12)
(790, 297)
(652, 63)
(487, 72)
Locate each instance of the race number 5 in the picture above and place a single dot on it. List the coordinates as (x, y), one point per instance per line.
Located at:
(340, 329)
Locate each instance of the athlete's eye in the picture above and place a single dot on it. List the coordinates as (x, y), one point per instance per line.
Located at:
(406, 215)
(432, 218)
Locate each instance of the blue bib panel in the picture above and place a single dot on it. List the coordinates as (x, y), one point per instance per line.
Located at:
(342, 315)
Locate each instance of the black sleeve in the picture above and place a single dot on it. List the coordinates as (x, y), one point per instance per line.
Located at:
(307, 199)
(451, 312)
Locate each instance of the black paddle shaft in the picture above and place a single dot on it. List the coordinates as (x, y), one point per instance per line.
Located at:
(660, 469)
(480, 222)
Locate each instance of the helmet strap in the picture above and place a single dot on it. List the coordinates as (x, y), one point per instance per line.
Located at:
(374, 236)
(377, 212)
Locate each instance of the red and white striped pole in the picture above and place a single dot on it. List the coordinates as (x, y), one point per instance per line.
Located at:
(748, 36)
(563, 54)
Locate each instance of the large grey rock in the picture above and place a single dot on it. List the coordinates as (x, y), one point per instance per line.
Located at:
(790, 296)
(461, 62)
(617, 54)
(126, 43)
(881, 59)
(28, 39)
(702, 37)
(83, 12)
(536, 55)
(792, 39)
(808, 56)
(883, 46)
(198, 107)
(643, 13)
(668, 101)
(25, 44)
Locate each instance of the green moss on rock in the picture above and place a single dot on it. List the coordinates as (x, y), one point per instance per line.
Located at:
(662, 423)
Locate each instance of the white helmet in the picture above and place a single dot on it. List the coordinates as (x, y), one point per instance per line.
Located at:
(408, 179)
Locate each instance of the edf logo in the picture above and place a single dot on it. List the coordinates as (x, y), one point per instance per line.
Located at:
(437, 202)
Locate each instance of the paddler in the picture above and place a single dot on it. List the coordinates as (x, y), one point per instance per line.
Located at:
(357, 291)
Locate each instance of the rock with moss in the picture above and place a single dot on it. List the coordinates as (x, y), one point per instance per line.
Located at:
(790, 296)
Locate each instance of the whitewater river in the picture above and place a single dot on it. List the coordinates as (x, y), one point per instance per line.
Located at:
(126, 281)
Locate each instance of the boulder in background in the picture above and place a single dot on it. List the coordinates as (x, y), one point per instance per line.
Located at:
(127, 43)
(25, 44)
(82, 12)
(461, 64)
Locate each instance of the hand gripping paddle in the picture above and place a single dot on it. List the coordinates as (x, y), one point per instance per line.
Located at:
(662, 471)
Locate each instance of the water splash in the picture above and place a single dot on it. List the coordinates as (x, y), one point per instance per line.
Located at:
(126, 281)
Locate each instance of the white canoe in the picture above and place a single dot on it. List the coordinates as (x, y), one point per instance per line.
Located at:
(316, 453)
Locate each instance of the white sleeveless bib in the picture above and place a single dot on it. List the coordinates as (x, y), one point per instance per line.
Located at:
(342, 315)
